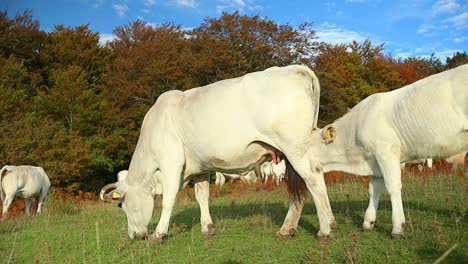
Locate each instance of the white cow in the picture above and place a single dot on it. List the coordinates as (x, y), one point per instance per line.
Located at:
(24, 182)
(386, 129)
(277, 171)
(229, 126)
(249, 177)
(420, 163)
(458, 162)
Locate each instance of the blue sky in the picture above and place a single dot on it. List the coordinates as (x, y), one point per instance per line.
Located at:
(407, 27)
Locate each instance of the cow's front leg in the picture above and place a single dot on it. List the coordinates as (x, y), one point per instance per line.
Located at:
(171, 185)
(390, 168)
(376, 187)
(202, 194)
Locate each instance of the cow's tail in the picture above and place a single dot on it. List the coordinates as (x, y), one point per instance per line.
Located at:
(296, 186)
(314, 92)
(316, 98)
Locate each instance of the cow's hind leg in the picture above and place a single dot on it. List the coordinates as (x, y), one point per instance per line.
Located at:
(6, 204)
(202, 193)
(314, 180)
(376, 187)
(27, 203)
(41, 201)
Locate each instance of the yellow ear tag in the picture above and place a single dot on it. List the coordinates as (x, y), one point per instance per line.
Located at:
(115, 195)
(328, 134)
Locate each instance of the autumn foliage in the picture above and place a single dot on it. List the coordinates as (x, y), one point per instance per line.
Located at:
(75, 106)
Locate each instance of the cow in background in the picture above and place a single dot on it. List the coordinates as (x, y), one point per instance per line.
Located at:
(25, 182)
(277, 171)
(248, 177)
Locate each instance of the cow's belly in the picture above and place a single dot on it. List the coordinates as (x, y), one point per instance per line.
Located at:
(231, 160)
(441, 141)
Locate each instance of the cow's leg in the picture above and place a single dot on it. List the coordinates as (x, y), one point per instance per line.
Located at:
(27, 203)
(289, 227)
(6, 204)
(170, 180)
(41, 200)
(312, 174)
(202, 194)
(390, 168)
(376, 187)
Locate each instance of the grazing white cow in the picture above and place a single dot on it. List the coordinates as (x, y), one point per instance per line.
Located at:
(189, 133)
(247, 178)
(386, 129)
(24, 182)
(277, 171)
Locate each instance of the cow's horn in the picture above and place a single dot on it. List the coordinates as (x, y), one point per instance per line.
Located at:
(106, 197)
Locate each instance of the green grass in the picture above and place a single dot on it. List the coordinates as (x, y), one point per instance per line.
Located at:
(246, 222)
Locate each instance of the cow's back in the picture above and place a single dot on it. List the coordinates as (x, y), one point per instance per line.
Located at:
(236, 112)
(25, 181)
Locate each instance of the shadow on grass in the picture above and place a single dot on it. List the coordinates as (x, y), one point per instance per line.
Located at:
(276, 211)
(353, 211)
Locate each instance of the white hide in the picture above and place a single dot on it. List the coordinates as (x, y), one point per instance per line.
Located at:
(231, 126)
(23, 182)
(428, 118)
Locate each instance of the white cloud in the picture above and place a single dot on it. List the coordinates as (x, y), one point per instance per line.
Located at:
(445, 6)
(104, 38)
(149, 2)
(459, 21)
(460, 39)
(442, 55)
(403, 55)
(333, 34)
(186, 3)
(98, 3)
(120, 9)
(230, 5)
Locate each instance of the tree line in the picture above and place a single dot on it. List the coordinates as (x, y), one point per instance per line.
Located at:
(75, 106)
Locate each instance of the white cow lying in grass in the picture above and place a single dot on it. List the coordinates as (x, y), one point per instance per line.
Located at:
(25, 182)
(230, 126)
(249, 177)
(428, 118)
(277, 171)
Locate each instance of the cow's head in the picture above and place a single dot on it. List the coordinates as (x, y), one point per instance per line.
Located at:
(136, 201)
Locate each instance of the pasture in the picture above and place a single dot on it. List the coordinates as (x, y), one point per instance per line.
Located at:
(246, 220)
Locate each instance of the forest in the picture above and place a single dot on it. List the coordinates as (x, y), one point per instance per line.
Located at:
(74, 106)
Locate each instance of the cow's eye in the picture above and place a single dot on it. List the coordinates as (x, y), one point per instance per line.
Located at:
(119, 204)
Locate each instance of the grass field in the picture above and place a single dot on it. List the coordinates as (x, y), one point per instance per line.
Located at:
(246, 219)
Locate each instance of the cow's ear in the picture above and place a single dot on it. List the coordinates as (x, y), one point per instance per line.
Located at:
(328, 133)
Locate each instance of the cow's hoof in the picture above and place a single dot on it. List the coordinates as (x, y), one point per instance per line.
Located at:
(159, 238)
(211, 231)
(368, 225)
(291, 233)
(324, 237)
(333, 225)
